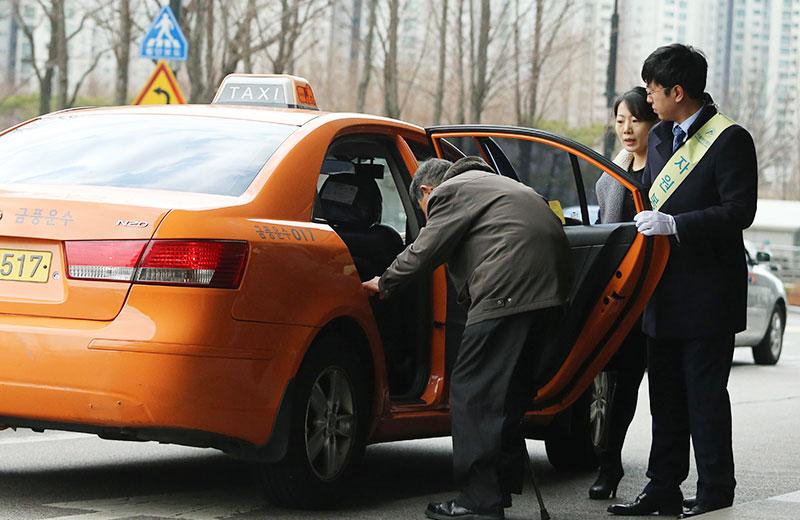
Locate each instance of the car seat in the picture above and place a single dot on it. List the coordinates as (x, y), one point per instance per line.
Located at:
(352, 205)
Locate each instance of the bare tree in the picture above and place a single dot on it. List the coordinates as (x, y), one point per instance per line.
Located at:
(117, 20)
(774, 144)
(57, 63)
(222, 35)
(390, 73)
(549, 19)
(366, 67)
(439, 96)
(479, 86)
(487, 52)
(461, 115)
(44, 72)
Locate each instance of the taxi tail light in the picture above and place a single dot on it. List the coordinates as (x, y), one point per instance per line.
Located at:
(196, 263)
(114, 260)
(203, 263)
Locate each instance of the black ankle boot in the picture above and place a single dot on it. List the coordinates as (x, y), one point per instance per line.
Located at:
(607, 481)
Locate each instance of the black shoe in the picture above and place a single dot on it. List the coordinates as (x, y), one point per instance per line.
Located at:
(689, 502)
(606, 483)
(700, 508)
(451, 509)
(506, 502)
(646, 504)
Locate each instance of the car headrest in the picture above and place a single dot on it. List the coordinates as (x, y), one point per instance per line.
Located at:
(351, 200)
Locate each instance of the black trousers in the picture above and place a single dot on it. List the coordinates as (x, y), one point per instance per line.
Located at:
(490, 390)
(627, 367)
(689, 398)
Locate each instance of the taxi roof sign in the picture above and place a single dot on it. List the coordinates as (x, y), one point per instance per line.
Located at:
(266, 90)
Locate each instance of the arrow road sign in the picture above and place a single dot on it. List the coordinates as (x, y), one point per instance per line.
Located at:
(165, 40)
(161, 88)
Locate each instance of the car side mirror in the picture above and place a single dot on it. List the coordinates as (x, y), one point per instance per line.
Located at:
(761, 257)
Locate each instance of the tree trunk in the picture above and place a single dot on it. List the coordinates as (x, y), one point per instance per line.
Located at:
(439, 98)
(390, 74)
(62, 61)
(122, 52)
(366, 69)
(480, 85)
(536, 66)
(461, 115)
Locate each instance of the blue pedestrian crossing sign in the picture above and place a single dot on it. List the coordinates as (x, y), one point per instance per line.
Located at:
(165, 40)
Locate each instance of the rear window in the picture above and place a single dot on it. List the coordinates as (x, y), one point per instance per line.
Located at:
(174, 153)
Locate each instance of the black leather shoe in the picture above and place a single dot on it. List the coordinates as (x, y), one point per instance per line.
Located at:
(606, 483)
(451, 509)
(646, 504)
(506, 503)
(689, 502)
(701, 508)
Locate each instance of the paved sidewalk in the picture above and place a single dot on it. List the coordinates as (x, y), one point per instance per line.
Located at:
(781, 507)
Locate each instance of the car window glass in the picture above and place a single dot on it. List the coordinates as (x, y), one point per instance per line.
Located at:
(590, 174)
(422, 151)
(545, 168)
(392, 212)
(175, 153)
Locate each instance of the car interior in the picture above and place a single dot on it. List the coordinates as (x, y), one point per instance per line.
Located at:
(362, 195)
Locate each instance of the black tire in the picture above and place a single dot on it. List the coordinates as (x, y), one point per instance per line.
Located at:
(327, 432)
(768, 351)
(573, 450)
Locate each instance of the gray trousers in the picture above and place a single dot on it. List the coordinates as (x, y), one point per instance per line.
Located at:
(490, 390)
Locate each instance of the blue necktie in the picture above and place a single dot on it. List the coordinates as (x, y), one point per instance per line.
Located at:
(680, 135)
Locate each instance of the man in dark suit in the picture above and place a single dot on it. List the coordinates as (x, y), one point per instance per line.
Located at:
(700, 302)
(510, 262)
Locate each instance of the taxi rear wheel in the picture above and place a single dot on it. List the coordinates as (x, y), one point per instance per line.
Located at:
(327, 431)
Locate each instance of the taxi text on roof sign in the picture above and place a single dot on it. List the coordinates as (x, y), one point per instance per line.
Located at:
(267, 90)
(161, 88)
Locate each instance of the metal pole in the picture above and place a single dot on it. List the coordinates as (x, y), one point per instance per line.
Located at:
(175, 5)
(611, 81)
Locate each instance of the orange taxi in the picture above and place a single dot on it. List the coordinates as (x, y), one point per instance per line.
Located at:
(191, 274)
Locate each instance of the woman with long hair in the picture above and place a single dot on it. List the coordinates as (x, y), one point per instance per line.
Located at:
(633, 119)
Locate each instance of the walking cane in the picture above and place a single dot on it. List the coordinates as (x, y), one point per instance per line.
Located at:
(543, 514)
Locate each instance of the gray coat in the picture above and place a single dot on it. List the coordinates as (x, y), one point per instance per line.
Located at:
(610, 192)
(505, 249)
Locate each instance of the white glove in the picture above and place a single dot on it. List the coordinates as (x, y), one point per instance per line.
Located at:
(655, 223)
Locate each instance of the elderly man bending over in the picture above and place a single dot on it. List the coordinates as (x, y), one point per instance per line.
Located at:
(509, 260)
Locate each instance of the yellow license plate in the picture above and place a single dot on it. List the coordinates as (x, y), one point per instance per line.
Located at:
(25, 266)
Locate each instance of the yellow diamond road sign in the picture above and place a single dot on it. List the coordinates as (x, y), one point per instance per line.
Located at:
(161, 88)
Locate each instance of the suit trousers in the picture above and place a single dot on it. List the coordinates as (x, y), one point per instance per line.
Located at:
(689, 399)
(490, 389)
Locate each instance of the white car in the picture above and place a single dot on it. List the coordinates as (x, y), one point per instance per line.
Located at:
(766, 309)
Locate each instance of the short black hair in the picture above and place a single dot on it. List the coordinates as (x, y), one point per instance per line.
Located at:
(636, 101)
(429, 173)
(677, 64)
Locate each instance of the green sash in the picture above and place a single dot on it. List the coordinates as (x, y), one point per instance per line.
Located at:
(683, 161)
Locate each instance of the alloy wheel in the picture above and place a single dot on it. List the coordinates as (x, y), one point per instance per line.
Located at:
(330, 423)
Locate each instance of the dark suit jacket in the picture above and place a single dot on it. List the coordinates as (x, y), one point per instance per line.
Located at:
(703, 291)
(505, 249)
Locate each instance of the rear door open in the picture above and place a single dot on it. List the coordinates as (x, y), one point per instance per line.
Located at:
(616, 268)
